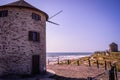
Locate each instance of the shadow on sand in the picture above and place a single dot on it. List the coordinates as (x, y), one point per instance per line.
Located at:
(57, 77)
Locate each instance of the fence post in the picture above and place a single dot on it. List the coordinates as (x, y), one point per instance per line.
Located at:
(89, 78)
(89, 62)
(58, 60)
(116, 72)
(105, 65)
(111, 73)
(48, 61)
(97, 64)
(110, 64)
(68, 61)
(78, 62)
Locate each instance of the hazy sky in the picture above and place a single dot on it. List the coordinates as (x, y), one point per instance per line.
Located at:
(85, 25)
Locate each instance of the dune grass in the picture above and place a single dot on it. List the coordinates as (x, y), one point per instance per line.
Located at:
(101, 57)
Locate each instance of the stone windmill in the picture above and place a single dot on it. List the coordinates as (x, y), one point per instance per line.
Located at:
(22, 39)
(113, 47)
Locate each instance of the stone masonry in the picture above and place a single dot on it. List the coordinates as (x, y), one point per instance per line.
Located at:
(16, 50)
(113, 47)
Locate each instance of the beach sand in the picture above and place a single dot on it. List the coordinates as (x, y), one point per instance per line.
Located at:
(74, 72)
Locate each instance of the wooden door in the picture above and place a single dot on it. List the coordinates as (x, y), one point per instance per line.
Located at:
(35, 64)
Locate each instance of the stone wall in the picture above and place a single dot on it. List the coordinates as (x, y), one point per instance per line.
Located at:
(15, 49)
(113, 47)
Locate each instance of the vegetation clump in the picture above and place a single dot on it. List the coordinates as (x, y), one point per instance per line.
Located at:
(101, 58)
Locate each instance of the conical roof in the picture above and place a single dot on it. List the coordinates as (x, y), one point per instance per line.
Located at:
(22, 3)
(113, 44)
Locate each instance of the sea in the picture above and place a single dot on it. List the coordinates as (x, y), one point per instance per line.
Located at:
(67, 55)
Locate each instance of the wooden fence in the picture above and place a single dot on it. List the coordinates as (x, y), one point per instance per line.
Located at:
(108, 66)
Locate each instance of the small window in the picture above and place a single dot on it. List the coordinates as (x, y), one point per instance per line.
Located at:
(36, 17)
(4, 13)
(34, 36)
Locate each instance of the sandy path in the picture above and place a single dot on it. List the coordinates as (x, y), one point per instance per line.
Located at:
(73, 71)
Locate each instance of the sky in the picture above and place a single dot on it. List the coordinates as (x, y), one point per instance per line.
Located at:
(85, 25)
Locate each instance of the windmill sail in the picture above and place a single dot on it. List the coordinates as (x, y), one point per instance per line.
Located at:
(52, 22)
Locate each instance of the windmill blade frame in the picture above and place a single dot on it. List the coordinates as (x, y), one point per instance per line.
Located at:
(55, 14)
(52, 22)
